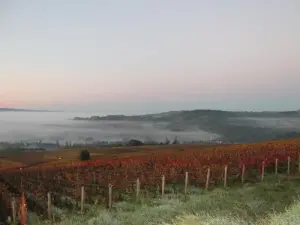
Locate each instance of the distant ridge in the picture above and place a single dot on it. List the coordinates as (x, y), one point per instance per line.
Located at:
(22, 110)
(231, 126)
(194, 113)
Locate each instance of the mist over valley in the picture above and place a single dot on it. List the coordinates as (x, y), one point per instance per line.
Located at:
(186, 126)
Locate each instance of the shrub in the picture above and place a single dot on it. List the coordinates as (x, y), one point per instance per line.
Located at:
(85, 155)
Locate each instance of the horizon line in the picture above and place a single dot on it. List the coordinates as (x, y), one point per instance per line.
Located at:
(195, 109)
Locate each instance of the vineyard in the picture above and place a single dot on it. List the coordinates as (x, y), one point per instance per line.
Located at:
(76, 186)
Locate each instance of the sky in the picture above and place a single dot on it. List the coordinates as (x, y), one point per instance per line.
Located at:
(150, 56)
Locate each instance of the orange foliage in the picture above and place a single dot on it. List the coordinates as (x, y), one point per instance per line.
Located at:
(122, 172)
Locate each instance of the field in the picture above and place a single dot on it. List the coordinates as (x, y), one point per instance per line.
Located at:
(251, 204)
(72, 155)
(149, 172)
(8, 164)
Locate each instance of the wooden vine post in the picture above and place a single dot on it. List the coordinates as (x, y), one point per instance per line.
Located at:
(299, 162)
(109, 196)
(186, 183)
(243, 174)
(23, 210)
(21, 182)
(225, 176)
(163, 182)
(276, 166)
(82, 199)
(262, 171)
(288, 166)
(207, 179)
(94, 177)
(13, 207)
(49, 205)
(138, 187)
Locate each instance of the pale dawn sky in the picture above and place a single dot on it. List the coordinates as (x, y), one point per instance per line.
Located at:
(148, 56)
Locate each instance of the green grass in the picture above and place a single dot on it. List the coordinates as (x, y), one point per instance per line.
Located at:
(272, 202)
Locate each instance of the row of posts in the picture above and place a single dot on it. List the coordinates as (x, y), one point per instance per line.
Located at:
(138, 186)
(225, 177)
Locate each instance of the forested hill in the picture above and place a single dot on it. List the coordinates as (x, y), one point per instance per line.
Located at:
(242, 127)
(185, 114)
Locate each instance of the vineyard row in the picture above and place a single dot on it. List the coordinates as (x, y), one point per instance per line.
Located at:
(78, 185)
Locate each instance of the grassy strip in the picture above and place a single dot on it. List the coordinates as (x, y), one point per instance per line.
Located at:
(264, 203)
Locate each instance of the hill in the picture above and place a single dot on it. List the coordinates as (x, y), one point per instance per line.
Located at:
(187, 114)
(237, 127)
(21, 110)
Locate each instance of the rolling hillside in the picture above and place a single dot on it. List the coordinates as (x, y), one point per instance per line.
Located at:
(240, 127)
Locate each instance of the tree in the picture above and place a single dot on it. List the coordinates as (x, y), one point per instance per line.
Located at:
(134, 142)
(85, 155)
(175, 142)
(167, 141)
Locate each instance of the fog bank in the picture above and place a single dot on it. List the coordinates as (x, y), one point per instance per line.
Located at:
(50, 126)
